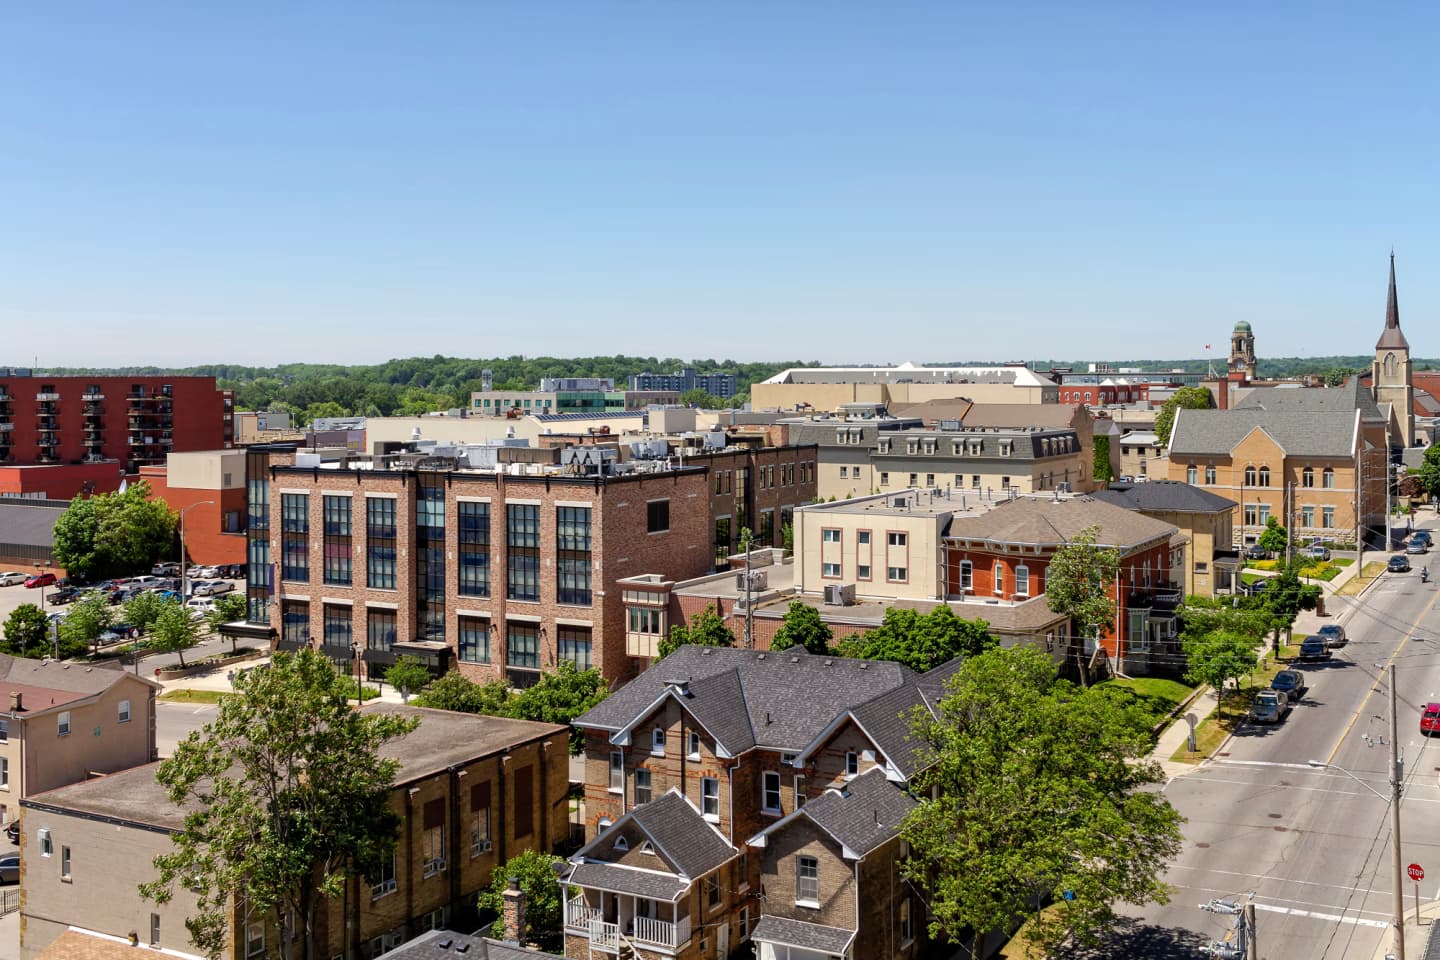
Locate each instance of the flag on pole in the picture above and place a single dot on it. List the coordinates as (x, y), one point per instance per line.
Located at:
(1207, 346)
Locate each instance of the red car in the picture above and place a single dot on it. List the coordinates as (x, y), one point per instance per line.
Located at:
(1430, 719)
(40, 580)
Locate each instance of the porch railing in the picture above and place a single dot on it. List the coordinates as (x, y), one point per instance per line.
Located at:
(578, 913)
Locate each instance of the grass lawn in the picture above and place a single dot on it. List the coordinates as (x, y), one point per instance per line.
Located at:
(1343, 561)
(195, 696)
(1370, 571)
(1324, 570)
(1213, 730)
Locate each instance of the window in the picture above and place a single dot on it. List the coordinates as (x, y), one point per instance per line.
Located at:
(799, 790)
(743, 926)
(1307, 516)
(831, 570)
(807, 882)
(123, 712)
(657, 516)
(896, 539)
(1307, 477)
(5, 773)
(474, 640)
(907, 930)
(642, 787)
(64, 863)
(712, 891)
(432, 841)
(572, 563)
(1327, 479)
(337, 630)
(914, 479)
(480, 819)
(829, 535)
(523, 556)
(522, 646)
(694, 752)
(384, 882)
(62, 724)
(644, 620)
(967, 576)
(1192, 474)
(999, 577)
(575, 646)
(1022, 581)
(474, 548)
(254, 939)
(295, 537)
(1327, 517)
(852, 763)
(1250, 476)
(380, 543)
(1264, 476)
(379, 629)
(336, 535)
(770, 792)
(657, 742)
(4, 730)
(896, 574)
(722, 543)
(975, 481)
(154, 929)
(47, 845)
(1210, 474)
(862, 571)
(710, 797)
(742, 872)
(617, 771)
(884, 478)
(295, 623)
(844, 472)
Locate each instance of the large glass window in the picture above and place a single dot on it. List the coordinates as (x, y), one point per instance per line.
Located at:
(474, 543)
(430, 556)
(295, 622)
(381, 626)
(522, 646)
(337, 629)
(295, 537)
(474, 640)
(572, 563)
(380, 543)
(522, 580)
(575, 646)
(337, 540)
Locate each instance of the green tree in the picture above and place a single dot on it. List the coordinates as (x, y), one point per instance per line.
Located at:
(921, 641)
(455, 692)
(1186, 398)
(27, 632)
(1429, 472)
(802, 627)
(174, 631)
(229, 608)
(560, 697)
(1041, 793)
(408, 675)
(326, 408)
(1103, 470)
(284, 794)
(1335, 376)
(1287, 596)
(1273, 538)
(1217, 657)
(90, 616)
(75, 535)
(706, 629)
(534, 872)
(702, 399)
(114, 533)
(143, 609)
(1078, 581)
(787, 538)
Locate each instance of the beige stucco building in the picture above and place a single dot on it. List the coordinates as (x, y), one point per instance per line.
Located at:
(829, 388)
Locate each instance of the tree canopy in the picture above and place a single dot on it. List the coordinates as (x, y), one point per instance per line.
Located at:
(802, 627)
(558, 697)
(1041, 793)
(90, 615)
(27, 632)
(284, 793)
(114, 534)
(535, 872)
(1274, 537)
(174, 631)
(921, 641)
(1429, 472)
(1078, 581)
(1188, 398)
(705, 629)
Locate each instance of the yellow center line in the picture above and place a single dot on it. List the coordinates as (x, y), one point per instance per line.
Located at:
(1381, 675)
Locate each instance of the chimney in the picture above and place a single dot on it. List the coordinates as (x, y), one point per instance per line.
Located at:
(17, 704)
(513, 912)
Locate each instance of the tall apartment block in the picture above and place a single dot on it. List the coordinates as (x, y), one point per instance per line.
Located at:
(716, 384)
(500, 570)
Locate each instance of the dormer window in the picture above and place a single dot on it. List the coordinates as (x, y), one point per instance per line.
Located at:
(657, 742)
(621, 844)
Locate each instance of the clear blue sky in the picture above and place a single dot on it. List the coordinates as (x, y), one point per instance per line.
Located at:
(182, 183)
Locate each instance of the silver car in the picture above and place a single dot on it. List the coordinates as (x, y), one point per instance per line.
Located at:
(12, 579)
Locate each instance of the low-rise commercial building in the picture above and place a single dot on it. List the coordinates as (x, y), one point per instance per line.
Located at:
(828, 389)
(209, 487)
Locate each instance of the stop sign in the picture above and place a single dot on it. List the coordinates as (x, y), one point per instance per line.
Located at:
(1416, 872)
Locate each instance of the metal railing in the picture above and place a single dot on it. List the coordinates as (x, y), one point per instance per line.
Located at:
(9, 900)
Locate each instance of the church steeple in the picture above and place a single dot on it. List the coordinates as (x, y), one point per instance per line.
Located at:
(1392, 338)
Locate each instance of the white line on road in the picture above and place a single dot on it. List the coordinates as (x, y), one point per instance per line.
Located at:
(1263, 763)
(1327, 917)
(1265, 876)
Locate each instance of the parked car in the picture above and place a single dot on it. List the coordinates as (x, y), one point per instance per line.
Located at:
(1258, 587)
(39, 580)
(1270, 706)
(1399, 564)
(64, 595)
(1318, 551)
(1417, 546)
(1291, 683)
(1422, 535)
(208, 588)
(116, 633)
(1430, 719)
(1333, 634)
(167, 569)
(218, 587)
(1313, 648)
(168, 595)
(233, 571)
(203, 573)
(1256, 552)
(10, 869)
(12, 578)
(144, 580)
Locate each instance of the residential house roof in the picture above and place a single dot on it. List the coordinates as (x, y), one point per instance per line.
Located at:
(757, 705)
(1300, 433)
(688, 839)
(617, 878)
(1164, 496)
(865, 813)
(807, 936)
(43, 684)
(1052, 522)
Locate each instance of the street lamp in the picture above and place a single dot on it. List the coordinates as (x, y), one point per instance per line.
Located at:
(1397, 780)
(358, 649)
(184, 592)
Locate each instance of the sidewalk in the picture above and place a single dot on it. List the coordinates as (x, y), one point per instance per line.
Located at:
(219, 679)
(1416, 935)
(1173, 737)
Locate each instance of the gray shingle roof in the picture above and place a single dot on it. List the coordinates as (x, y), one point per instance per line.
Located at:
(798, 933)
(1354, 395)
(1164, 496)
(618, 879)
(865, 814)
(678, 828)
(887, 720)
(770, 699)
(427, 947)
(1328, 433)
(1036, 520)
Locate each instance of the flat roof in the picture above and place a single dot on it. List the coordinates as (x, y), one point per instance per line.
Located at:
(1029, 616)
(912, 502)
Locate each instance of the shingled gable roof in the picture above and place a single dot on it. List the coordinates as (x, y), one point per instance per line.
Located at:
(747, 698)
(885, 722)
(863, 814)
(1309, 433)
(683, 839)
(1164, 496)
(1051, 522)
(1353, 395)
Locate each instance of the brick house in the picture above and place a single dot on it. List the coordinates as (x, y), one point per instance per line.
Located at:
(708, 756)
(1211, 565)
(471, 791)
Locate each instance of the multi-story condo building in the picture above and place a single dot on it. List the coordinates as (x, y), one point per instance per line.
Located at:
(503, 570)
(472, 792)
(728, 805)
(716, 384)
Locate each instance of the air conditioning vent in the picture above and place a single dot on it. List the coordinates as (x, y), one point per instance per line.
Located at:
(839, 594)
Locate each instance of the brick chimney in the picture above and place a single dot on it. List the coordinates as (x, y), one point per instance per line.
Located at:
(17, 703)
(513, 912)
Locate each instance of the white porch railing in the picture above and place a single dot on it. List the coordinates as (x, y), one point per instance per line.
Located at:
(604, 936)
(578, 913)
(662, 933)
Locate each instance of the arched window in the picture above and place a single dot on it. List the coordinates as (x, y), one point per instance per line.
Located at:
(1390, 365)
(999, 578)
(1249, 476)
(1307, 477)
(1264, 476)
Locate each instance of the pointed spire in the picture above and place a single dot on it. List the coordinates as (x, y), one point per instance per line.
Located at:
(1392, 338)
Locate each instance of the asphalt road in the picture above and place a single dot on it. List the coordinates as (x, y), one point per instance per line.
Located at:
(1313, 845)
(175, 721)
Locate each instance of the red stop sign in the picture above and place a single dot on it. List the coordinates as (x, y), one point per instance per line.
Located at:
(1416, 872)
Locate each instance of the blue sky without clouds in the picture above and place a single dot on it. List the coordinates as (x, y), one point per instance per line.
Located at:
(186, 183)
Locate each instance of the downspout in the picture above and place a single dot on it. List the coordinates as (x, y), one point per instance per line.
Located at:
(545, 811)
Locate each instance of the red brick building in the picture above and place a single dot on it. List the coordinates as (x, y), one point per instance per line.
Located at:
(209, 487)
(64, 422)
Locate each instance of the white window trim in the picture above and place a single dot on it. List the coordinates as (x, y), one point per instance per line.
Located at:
(764, 792)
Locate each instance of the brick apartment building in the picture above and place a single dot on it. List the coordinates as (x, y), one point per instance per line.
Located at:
(726, 805)
(75, 426)
(501, 572)
(209, 486)
(472, 792)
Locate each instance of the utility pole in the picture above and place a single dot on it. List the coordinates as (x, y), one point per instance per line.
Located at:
(1247, 923)
(1397, 780)
(1239, 942)
(1289, 521)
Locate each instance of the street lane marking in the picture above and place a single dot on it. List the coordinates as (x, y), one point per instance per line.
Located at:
(1266, 876)
(1331, 793)
(1379, 677)
(1263, 763)
(1230, 892)
(1327, 917)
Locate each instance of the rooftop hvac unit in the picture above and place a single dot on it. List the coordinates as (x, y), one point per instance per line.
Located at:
(758, 579)
(1063, 487)
(839, 594)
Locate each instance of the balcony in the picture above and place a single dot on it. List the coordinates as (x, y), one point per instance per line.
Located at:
(587, 919)
(93, 397)
(6, 427)
(46, 397)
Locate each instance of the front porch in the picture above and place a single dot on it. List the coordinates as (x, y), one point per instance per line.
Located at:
(607, 919)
